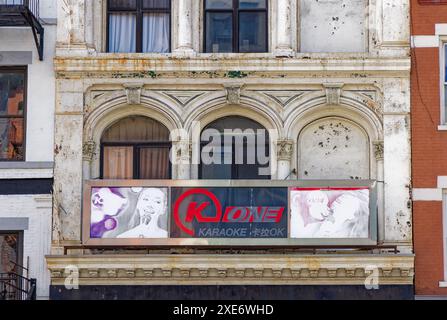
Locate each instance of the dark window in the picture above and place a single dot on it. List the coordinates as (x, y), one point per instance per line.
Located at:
(243, 150)
(12, 114)
(136, 148)
(139, 26)
(235, 26)
(9, 252)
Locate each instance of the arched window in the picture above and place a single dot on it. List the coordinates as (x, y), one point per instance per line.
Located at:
(136, 148)
(235, 148)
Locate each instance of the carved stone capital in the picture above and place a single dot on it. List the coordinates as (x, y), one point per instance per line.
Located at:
(182, 150)
(379, 150)
(89, 150)
(133, 92)
(333, 92)
(284, 149)
(233, 93)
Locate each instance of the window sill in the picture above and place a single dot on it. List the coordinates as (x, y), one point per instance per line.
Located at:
(442, 127)
(214, 56)
(26, 170)
(443, 284)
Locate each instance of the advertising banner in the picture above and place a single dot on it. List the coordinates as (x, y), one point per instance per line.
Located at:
(129, 213)
(229, 213)
(330, 213)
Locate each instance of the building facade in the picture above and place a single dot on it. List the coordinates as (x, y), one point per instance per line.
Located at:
(429, 170)
(136, 79)
(27, 88)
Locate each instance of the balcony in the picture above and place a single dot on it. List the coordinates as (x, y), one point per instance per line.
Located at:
(23, 13)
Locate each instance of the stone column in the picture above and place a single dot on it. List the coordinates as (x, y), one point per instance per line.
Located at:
(182, 159)
(71, 27)
(284, 153)
(284, 29)
(378, 151)
(89, 23)
(184, 45)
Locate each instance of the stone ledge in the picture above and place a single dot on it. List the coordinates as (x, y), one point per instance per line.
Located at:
(203, 67)
(232, 269)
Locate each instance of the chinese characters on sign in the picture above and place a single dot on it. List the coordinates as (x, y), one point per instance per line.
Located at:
(286, 213)
(229, 213)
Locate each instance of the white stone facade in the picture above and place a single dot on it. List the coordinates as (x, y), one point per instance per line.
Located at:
(300, 85)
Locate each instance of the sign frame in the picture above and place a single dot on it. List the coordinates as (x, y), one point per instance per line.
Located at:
(225, 242)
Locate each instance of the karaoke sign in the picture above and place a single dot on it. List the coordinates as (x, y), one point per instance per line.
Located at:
(229, 213)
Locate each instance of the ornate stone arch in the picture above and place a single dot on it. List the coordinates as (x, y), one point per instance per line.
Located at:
(110, 111)
(215, 106)
(353, 107)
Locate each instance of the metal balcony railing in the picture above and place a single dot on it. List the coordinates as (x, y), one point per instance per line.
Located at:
(32, 5)
(23, 13)
(14, 286)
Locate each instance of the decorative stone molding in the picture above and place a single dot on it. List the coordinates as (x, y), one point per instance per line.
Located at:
(89, 150)
(379, 150)
(333, 92)
(133, 92)
(328, 269)
(182, 151)
(284, 149)
(233, 93)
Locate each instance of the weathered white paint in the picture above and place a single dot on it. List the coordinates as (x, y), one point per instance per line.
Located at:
(325, 25)
(334, 149)
(369, 88)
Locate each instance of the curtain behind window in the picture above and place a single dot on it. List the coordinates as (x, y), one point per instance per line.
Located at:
(122, 32)
(156, 32)
(141, 139)
(118, 163)
(154, 163)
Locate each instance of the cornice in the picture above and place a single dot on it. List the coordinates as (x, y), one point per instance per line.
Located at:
(233, 269)
(231, 68)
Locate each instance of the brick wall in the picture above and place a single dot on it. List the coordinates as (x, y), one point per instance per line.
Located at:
(429, 151)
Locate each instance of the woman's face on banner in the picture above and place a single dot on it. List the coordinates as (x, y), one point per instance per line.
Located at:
(151, 203)
(317, 202)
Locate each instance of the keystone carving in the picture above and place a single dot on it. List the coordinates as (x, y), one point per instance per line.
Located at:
(233, 93)
(133, 92)
(333, 93)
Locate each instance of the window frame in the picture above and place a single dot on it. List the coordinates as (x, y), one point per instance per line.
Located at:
(235, 11)
(444, 231)
(139, 12)
(136, 146)
(20, 247)
(443, 82)
(23, 70)
(234, 166)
